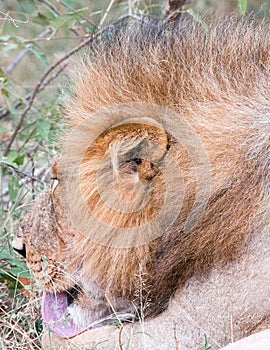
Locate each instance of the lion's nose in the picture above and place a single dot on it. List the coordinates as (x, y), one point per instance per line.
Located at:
(19, 246)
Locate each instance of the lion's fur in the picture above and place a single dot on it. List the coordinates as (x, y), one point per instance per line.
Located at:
(211, 80)
(216, 78)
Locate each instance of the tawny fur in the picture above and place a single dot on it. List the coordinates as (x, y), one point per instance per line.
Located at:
(216, 79)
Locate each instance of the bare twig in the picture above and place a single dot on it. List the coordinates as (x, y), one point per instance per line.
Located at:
(23, 182)
(9, 18)
(16, 61)
(106, 13)
(53, 76)
(120, 337)
(56, 12)
(24, 52)
(175, 338)
(47, 3)
(19, 103)
(13, 170)
(49, 71)
(175, 8)
(71, 9)
(14, 326)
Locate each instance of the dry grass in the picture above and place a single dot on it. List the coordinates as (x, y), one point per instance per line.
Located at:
(20, 320)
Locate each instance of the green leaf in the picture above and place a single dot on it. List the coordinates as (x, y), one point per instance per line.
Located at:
(91, 29)
(43, 129)
(17, 267)
(13, 158)
(12, 155)
(17, 40)
(20, 159)
(5, 92)
(17, 110)
(70, 3)
(67, 19)
(3, 129)
(3, 78)
(4, 38)
(242, 4)
(40, 55)
(18, 272)
(40, 19)
(4, 81)
(8, 162)
(10, 159)
(207, 345)
(26, 6)
(4, 253)
(13, 187)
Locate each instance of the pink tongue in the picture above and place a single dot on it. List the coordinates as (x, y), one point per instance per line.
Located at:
(55, 315)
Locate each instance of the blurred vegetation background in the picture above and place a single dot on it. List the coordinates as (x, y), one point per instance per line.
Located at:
(35, 35)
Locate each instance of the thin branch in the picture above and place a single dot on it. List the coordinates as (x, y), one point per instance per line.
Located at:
(9, 18)
(175, 8)
(16, 61)
(106, 13)
(47, 3)
(24, 52)
(49, 71)
(56, 12)
(14, 326)
(20, 173)
(55, 38)
(120, 338)
(175, 338)
(52, 77)
(5, 112)
(72, 9)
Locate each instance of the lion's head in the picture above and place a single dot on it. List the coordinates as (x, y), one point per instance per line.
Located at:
(162, 172)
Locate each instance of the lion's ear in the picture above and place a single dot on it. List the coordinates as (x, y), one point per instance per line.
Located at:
(136, 147)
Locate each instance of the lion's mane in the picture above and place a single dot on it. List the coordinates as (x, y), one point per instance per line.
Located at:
(215, 78)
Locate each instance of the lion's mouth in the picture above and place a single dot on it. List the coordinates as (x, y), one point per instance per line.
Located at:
(55, 313)
(57, 318)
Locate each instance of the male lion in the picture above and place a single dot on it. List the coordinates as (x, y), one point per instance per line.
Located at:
(158, 213)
